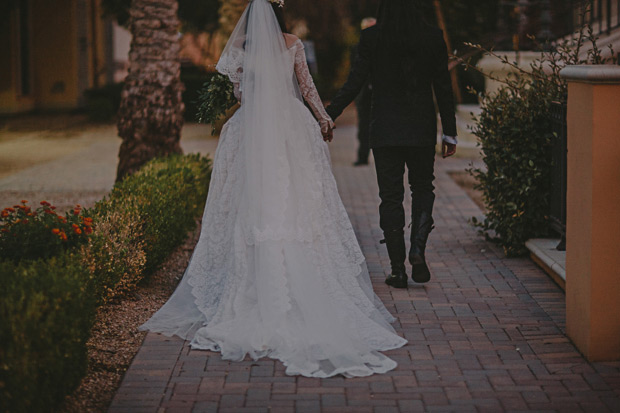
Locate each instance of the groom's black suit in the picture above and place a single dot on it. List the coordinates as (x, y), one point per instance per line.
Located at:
(402, 115)
(403, 129)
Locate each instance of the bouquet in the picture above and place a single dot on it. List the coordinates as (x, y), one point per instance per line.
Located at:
(215, 98)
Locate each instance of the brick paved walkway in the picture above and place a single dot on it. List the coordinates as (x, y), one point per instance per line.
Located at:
(486, 334)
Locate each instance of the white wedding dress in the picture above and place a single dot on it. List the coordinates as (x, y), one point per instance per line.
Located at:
(278, 271)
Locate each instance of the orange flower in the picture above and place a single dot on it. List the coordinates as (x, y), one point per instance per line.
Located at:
(10, 209)
(75, 226)
(63, 236)
(76, 211)
(45, 203)
(56, 231)
(24, 201)
(88, 219)
(88, 230)
(77, 231)
(88, 223)
(4, 214)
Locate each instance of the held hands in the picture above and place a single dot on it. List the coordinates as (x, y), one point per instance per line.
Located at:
(327, 129)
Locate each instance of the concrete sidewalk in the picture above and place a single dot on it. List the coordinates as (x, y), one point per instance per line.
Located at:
(82, 168)
(486, 334)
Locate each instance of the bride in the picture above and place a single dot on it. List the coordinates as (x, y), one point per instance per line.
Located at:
(277, 271)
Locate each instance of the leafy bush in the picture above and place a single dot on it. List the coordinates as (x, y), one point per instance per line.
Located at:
(47, 306)
(167, 195)
(41, 233)
(515, 132)
(215, 98)
(114, 255)
(47, 310)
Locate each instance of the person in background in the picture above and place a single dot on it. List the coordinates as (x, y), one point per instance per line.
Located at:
(362, 103)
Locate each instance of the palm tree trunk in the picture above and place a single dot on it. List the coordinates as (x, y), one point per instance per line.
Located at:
(151, 111)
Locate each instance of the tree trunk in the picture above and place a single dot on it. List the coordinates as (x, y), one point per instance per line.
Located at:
(151, 111)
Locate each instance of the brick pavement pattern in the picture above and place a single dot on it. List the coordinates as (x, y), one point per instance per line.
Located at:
(485, 334)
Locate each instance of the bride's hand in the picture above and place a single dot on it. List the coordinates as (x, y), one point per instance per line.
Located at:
(327, 130)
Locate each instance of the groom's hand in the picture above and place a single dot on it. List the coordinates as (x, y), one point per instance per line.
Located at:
(328, 136)
(447, 149)
(327, 130)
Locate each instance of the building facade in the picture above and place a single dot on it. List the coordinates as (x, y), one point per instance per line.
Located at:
(51, 52)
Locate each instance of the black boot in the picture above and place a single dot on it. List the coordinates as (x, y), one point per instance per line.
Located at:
(395, 242)
(421, 227)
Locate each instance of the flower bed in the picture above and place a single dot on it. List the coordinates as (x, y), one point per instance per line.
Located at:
(55, 270)
(29, 234)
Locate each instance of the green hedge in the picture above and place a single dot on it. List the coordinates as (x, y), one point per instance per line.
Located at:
(47, 309)
(47, 306)
(168, 195)
(515, 132)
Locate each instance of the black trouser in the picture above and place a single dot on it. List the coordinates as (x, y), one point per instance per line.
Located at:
(363, 104)
(390, 164)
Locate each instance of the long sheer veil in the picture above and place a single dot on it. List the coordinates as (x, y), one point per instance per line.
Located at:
(257, 55)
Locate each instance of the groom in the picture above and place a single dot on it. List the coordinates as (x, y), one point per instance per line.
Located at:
(406, 61)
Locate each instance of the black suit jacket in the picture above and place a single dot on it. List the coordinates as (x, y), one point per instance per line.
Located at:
(403, 113)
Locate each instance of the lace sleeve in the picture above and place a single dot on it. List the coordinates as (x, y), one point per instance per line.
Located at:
(308, 89)
(231, 65)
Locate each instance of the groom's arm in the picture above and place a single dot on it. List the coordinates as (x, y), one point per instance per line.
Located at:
(358, 77)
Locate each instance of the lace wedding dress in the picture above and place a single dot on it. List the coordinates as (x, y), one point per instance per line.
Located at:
(278, 271)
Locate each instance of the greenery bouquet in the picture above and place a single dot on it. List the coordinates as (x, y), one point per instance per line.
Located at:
(214, 99)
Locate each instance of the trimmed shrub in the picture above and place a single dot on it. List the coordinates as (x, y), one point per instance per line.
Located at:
(115, 256)
(47, 310)
(47, 306)
(167, 195)
(515, 132)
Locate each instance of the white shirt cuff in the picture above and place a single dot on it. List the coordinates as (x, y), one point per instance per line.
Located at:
(450, 139)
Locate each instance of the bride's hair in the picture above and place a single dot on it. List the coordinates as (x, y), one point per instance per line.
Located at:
(402, 27)
(280, 16)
